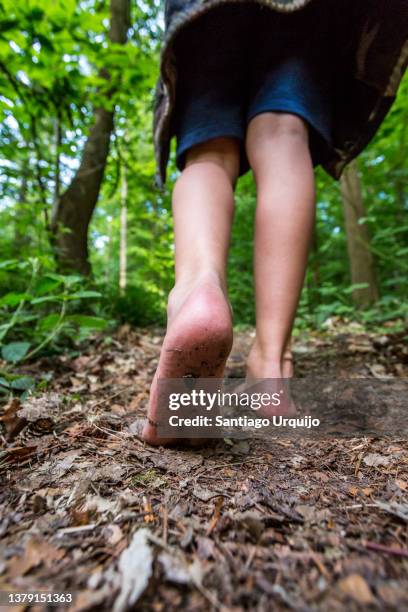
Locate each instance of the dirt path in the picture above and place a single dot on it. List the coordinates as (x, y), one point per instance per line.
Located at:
(292, 524)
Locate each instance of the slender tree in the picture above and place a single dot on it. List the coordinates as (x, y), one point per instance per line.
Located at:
(361, 261)
(73, 210)
(123, 234)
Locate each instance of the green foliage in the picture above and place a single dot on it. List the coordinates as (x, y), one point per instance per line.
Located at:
(51, 57)
(47, 312)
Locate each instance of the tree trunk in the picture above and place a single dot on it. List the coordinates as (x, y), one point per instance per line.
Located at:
(57, 162)
(73, 209)
(361, 261)
(21, 238)
(123, 230)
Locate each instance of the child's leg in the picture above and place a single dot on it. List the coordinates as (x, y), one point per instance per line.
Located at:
(199, 330)
(278, 152)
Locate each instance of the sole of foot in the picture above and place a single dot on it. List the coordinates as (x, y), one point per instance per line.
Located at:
(197, 344)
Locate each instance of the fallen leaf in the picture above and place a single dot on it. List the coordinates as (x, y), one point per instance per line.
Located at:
(399, 510)
(36, 552)
(135, 567)
(240, 448)
(297, 461)
(216, 516)
(322, 476)
(357, 588)
(113, 533)
(13, 423)
(205, 548)
(48, 405)
(118, 409)
(101, 505)
(312, 515)
(18, 453)
(204, 494)
(375, 459)
(365, 347)
(178, 570)
(378, 371)
(79, 517)
(110, 473)
(392, 593)
(252, 521)
(401, 484)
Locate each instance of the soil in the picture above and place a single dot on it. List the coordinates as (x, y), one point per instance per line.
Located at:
(306, 524)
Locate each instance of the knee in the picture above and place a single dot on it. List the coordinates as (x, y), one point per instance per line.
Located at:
(272, 134)
(272, 126)
(224, 153)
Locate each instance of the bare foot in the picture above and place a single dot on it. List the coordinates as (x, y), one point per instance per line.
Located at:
(267, 374)
(197, 342)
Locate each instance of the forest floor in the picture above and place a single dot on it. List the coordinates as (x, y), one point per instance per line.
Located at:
(87, 508)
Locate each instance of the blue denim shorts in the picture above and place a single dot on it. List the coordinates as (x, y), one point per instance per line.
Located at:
(240, 60)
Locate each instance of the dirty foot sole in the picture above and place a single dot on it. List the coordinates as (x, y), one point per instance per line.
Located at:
(197, 344)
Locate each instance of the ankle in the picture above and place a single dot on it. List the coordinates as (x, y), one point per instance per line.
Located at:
(188, 279)
(188, 282)
(269, 361)
(270, 352)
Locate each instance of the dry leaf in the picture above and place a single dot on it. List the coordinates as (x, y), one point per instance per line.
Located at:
(365, 347)
(401, 484)
(48, 406)
(178, 570)
(357, 588)
(204, 494)
(96, 503)
(36, 552)
(135, 567)
(205, 548)
(378, 371)
(399, 510)
(113, 533)
(12, 422)
(374, 460)
(19, 453)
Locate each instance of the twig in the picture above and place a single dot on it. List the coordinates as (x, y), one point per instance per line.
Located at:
(221, 465)
(79, 529)
(360, 506)
(108, 399)
(388, 550)
(165, 523)
(109, 432)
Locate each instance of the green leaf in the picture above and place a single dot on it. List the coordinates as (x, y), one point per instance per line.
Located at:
(48, 322)
(15, 351)
(72, 279)
(13, 299)
(8, 24)
(48, 298)
(47, 284)
(355, 287)
(8, 264)
(88, 321)
(23, 383)
(81, 295)
(4, 383)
